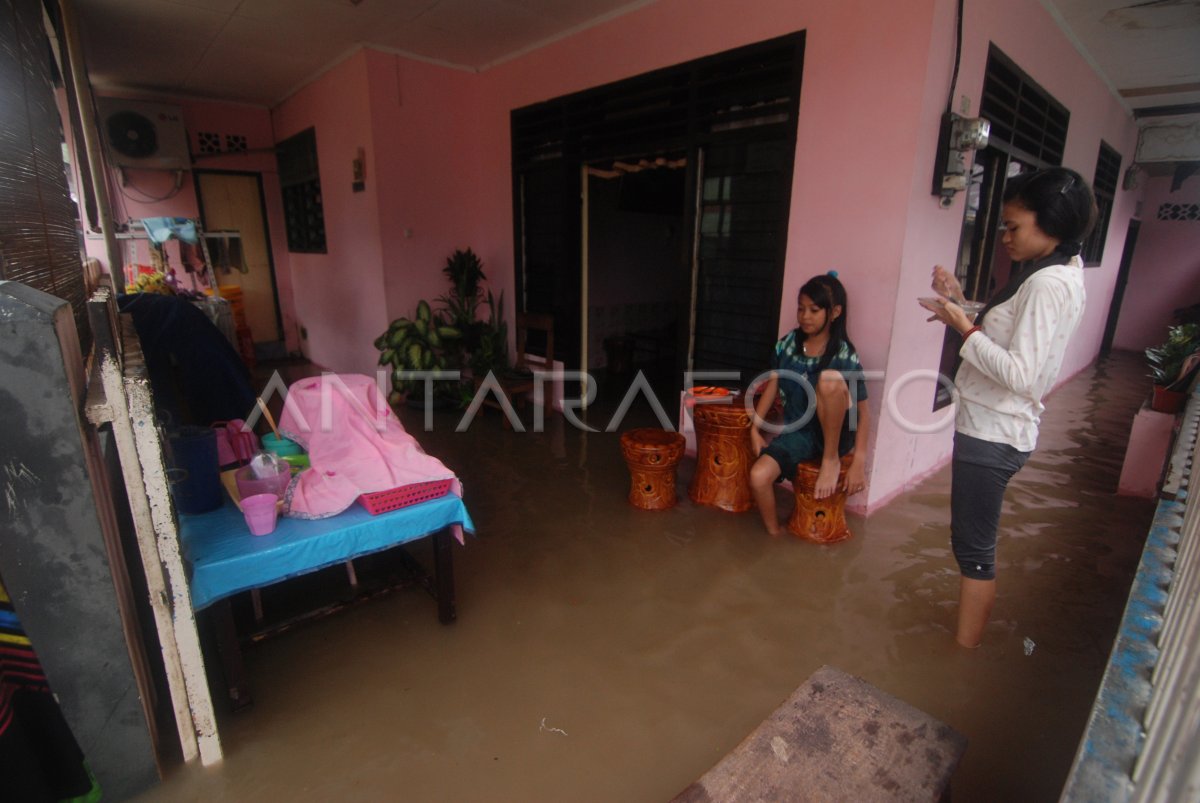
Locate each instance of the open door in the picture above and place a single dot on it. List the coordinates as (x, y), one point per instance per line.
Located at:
(233, 202)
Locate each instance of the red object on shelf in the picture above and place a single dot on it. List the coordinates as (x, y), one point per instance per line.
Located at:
(405, 495)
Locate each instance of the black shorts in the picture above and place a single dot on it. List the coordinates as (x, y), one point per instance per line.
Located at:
(980, 475)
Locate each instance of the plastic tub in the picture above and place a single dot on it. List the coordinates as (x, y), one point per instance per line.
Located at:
(280, 446)
(249, 485)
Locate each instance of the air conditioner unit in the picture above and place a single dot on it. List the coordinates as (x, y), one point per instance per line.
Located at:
(150, 136)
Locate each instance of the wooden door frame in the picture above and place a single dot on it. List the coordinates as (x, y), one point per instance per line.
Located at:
(262, 208)
(1114, 307)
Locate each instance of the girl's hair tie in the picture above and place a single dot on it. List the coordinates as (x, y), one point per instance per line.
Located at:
(832, 273)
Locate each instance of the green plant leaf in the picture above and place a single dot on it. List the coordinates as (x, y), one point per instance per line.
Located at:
(424, 311)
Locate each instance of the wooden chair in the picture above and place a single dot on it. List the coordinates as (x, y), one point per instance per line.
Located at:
(518, 382)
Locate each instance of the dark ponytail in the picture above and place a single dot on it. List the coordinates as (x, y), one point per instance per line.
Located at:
(1060, 200)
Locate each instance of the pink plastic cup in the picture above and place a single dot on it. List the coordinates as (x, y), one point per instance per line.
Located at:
(260, 513)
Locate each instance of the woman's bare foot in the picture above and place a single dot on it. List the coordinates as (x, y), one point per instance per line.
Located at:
(774, 532)
(827, 478)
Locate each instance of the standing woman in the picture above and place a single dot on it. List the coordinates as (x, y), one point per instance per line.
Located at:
(1011, 354)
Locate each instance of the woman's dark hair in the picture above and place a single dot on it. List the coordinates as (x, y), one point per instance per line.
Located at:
(1060, 200)
(827, 292)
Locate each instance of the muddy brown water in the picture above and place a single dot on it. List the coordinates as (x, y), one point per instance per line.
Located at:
(604, 653)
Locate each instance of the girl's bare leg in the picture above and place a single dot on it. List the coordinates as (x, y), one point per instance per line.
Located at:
(763, 474)
(975, 601)
(833, 400)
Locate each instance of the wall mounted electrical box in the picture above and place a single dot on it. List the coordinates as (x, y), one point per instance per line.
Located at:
(956, 136)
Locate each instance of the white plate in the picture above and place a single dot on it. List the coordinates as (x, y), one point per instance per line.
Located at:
(971, 308)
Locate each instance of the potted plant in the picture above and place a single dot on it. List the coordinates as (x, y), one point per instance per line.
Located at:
(1170, 367)
(418, 344)
(464, 269)
(490, 351)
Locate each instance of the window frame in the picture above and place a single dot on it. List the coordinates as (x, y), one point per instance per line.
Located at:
(1105, 182)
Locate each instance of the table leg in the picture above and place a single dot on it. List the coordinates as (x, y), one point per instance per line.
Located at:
(232, 667)
(443, 575)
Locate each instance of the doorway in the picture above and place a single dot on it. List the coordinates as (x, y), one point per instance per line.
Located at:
(233, 203)
(1114, 309)
(727, 126)
(635, 231)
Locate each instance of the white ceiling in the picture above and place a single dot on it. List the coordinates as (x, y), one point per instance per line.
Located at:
(259, 51)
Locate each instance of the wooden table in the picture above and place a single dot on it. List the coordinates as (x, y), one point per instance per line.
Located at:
(225, 559)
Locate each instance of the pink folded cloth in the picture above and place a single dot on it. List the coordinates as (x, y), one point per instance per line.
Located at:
(355, 443)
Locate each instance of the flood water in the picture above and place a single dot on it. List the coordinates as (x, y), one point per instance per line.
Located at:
(603, 653)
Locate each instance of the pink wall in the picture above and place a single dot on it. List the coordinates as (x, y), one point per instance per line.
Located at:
(1165, 273)
(338, 295)
(427, 145)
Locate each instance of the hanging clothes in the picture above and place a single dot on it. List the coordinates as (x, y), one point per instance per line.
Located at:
(161, 229)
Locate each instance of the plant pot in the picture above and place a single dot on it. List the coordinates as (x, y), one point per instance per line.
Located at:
(1166, 400)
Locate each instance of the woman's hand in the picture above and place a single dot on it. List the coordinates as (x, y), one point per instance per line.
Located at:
(948, 313)
(946, 284)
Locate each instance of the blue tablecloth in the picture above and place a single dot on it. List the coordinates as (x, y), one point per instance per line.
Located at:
(225, 558)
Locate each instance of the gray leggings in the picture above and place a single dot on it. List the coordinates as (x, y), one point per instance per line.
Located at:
(980, 474)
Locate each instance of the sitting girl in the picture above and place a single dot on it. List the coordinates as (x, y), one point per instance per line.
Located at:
(813, 369)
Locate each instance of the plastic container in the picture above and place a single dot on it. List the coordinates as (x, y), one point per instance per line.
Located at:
(261, 513)
(298, 462)
(195, 474)
(249, 485)
(405, 495)
(281, 446)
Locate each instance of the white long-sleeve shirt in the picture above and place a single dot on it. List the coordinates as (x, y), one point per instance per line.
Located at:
(1009, 365)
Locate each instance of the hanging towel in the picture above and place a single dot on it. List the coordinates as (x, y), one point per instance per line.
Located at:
(161, 229)
(236, 256)
(355, 444)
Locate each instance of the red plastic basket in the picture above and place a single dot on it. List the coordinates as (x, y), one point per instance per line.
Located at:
(405, 495)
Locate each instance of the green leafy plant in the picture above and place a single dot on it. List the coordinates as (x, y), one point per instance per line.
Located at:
(1166, 360)
(490, 352)
(421, 343)
(464, 269)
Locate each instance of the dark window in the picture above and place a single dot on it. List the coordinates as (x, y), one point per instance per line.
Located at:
(1026, 121)
(300, 179)
(1104, 185)
(1029, 132)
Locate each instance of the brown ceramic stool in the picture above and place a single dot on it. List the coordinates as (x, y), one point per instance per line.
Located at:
(723, 456)
(652, 455)
(822, 521)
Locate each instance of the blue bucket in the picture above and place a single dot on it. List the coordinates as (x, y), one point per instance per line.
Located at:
(195, 473)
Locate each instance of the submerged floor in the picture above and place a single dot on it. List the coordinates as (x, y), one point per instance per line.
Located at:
(608, 654)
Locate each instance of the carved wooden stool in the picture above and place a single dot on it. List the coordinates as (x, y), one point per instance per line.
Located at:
(723, 456)
(652, 455)
(822, 521)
